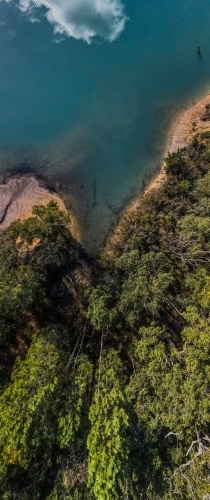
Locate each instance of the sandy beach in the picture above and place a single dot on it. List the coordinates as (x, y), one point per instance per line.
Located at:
(185, 126)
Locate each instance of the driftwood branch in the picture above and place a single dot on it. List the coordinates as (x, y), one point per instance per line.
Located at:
(111, 207)
(94, 193)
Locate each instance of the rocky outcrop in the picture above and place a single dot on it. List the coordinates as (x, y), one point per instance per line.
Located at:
(18, 196)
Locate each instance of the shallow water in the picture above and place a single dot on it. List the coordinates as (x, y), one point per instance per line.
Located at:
(93, 101)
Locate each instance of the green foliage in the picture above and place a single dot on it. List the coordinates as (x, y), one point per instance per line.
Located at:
(23, 401)
(157, 283)
(69, 418)
(20, 290)
(147, 280)
(23, 273)
(199, 286)
(205, 135)
(175, 162)
(100, 312)
(194, 229)
(41, 410)
(109, 394)
(144, 281)
(48, 224)
(107, 445)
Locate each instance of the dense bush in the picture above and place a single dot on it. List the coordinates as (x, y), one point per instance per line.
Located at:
(105, 378)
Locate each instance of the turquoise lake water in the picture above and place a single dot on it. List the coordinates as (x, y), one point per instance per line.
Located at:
(88, 90)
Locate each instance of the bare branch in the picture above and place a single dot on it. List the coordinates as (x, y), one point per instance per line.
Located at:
(99, 368)
(172, 434)
(190, 486)
(183, 466)
(182, 352)
(190, 448)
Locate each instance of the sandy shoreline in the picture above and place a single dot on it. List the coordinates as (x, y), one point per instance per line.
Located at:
(20, 193)
(186, 124)
(184, 127)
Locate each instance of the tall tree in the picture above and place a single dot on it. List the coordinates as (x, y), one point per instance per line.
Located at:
(107, 444)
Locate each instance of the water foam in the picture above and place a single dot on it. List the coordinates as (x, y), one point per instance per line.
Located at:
(81, 19)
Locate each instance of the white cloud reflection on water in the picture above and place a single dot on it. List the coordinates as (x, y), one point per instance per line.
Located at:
(81, 19)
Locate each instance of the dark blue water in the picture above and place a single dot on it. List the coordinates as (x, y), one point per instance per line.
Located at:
(78, 107)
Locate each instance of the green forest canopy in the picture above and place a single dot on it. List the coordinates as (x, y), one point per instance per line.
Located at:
(105, 364)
